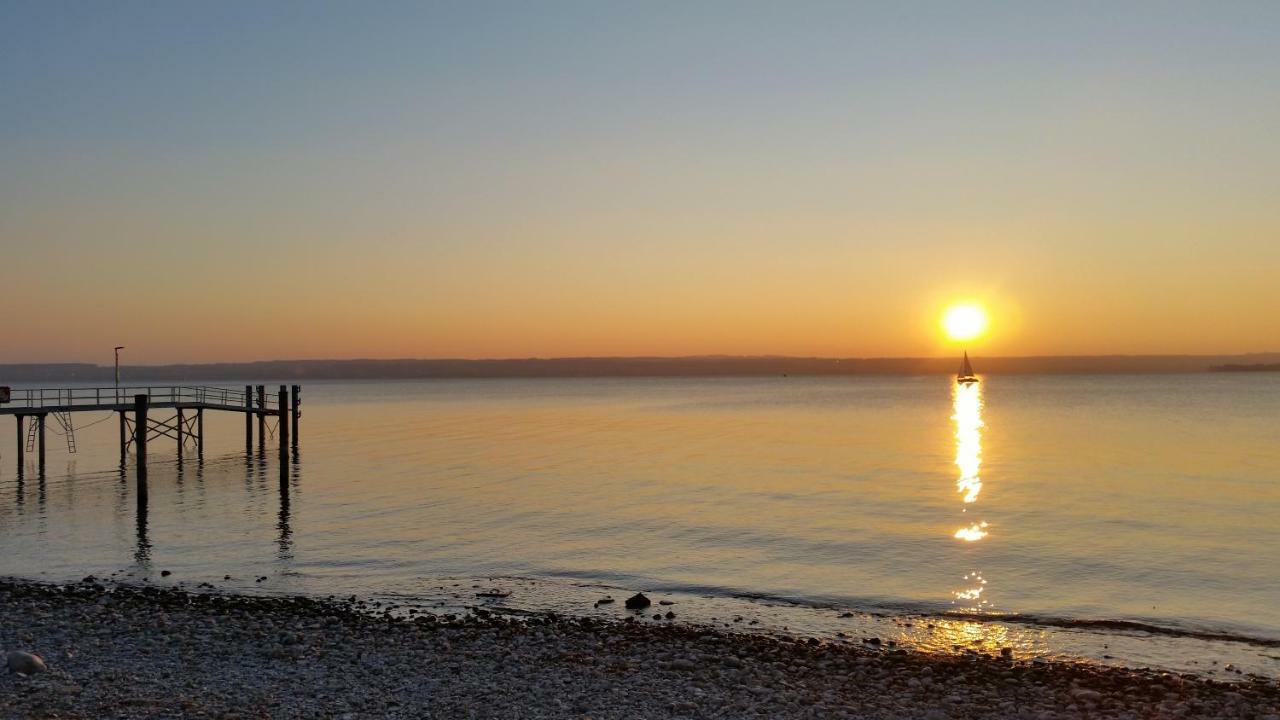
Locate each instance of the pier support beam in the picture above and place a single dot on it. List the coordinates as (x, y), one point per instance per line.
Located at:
(284, 433)
(200, 433)
(124, 439)
(178, 431)
(294, 413)
(248, 418)
(140, 404)
(40, 420)
(262, 417)
(22, 445)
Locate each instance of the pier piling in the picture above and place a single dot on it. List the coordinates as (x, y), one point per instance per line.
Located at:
(283, 398)
(40, 419)
(140, 404)
(295, 413)
(248, 418)
(178, 431)
(262, 418)
(22, 447)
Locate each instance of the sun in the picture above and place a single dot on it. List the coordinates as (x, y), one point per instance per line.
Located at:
(964, 322)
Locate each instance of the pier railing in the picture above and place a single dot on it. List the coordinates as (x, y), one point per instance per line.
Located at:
(39, 398)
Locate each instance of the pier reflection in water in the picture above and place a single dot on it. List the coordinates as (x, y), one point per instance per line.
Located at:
(142, 548)
(284, 541)
(967, 416)
(255, 483)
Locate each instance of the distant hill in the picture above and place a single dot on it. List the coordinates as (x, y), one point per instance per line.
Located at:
(1256, 367)
(700, 366)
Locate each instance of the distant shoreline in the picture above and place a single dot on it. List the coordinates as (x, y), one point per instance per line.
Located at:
(1256, 367)
(599, 367)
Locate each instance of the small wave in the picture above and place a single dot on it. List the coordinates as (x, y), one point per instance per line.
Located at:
(880, 608)
(1120, 626)
(885, 608)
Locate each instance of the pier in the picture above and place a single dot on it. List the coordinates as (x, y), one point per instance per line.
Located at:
(147, 413)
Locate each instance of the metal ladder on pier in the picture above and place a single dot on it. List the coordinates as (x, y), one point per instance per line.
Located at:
(69, 429)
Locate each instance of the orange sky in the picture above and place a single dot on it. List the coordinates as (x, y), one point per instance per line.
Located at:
(604, 183)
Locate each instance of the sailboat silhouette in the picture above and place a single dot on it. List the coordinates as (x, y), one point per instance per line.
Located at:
(966, 376)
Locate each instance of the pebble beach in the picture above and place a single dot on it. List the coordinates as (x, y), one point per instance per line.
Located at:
(124, 651)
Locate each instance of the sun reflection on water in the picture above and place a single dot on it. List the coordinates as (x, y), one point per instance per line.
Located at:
(967, 415)
(968, 418)
(972, 595)
(973, 533)
(971, 635)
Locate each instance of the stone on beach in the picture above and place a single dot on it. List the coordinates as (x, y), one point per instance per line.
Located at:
(24, 663)
(1091, 696)
(638, 602)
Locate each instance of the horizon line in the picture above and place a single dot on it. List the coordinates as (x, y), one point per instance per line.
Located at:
(705, 357)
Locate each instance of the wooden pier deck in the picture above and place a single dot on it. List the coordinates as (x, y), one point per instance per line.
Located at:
(134, 405)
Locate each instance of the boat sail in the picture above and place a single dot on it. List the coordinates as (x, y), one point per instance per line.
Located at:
(966, 376)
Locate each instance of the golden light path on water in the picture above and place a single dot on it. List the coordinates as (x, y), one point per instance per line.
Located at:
(967, 415)
(973, 533)
(967, 406)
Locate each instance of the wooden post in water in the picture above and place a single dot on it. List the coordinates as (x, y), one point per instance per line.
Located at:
(140, 404)
(40, 420)
(294, 414)
(248, 418)
(262, 417)
(284, 433)
(22, 445)
(200, 433)
(178, 419)
(124, 441)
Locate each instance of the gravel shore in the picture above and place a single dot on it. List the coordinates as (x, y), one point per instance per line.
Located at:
(130, 652)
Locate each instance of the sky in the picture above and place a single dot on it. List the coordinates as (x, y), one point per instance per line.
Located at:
(237, 181)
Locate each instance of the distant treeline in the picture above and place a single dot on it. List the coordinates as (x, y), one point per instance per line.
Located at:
(1256, 367)
(701, 366)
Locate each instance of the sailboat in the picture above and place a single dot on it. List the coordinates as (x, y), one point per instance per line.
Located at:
(966, 376)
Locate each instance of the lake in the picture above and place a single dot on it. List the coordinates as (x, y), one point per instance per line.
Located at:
(1122, 518)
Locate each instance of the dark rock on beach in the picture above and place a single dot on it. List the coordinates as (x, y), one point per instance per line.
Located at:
(24, 663)
(638, 602)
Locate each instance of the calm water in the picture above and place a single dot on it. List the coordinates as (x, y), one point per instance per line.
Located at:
(1049, 502)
